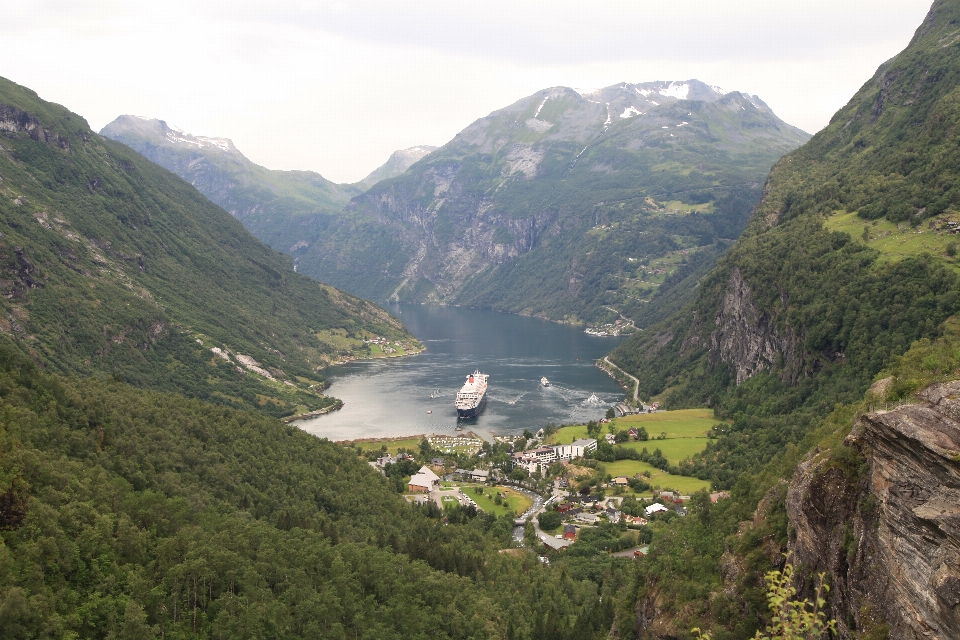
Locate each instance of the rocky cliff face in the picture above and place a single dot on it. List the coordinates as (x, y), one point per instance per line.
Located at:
(746, 338)
(882, 518)
(557, 204)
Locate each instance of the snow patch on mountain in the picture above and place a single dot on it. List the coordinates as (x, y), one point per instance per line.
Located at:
(629, 112)
(678, 90)
(545, 98)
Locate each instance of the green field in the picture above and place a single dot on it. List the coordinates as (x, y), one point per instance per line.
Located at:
(895, 241)
(674, 450)
(683, 484)
(516, 503)
(683, 423)
(394, 444)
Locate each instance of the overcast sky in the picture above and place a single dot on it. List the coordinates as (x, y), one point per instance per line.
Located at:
(336, 87)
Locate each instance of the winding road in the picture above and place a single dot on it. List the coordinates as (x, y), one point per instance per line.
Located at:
(636, 383)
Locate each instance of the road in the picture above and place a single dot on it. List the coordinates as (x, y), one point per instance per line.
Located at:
(636, 388)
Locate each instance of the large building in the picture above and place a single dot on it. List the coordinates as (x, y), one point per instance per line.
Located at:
(424, 481)
(575, 449)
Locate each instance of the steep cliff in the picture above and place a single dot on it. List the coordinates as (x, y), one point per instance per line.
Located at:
(883, 520)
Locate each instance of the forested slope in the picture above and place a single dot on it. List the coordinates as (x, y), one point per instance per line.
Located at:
(282, 208)
(845, 275)
(130, 513)
(800, 314)
(110, 264)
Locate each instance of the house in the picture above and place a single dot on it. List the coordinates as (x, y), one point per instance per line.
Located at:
(655, 508)
(438, 462)
(479, 475)
(613, 515)
(589, 518)
(620, 481)
(419, 483)
(570, 532)
(681, 510)
(610, 438)
(636, 521)
(427, 471)
(633, 433)
(383, 461)
(424, 480)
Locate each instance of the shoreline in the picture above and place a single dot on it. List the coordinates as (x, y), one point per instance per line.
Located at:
(421, 436)
(313, 414)
(370, 359)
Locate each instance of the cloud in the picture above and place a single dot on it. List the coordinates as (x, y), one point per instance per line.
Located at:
(337, 86)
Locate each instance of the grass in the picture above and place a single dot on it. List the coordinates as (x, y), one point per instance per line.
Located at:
(683, 423)
(674, 450)
(393, 444)
(515, 504)
(566, 435)
(893, 241)
(685, 429)
(630, 468)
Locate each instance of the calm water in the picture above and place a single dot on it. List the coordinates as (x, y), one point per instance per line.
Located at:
(392, 397)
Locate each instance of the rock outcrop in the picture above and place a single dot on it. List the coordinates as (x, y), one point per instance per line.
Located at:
(881, 515)
(746, 338)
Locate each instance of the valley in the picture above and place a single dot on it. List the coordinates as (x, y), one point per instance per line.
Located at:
(723, 359)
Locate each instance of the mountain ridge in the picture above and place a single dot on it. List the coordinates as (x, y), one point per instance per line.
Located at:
(546, 171)
(111, 265)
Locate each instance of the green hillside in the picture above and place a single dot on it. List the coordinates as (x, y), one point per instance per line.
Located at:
(574, 207)
(848, 263)
(111, 265)
(136, 514)
(286, 210)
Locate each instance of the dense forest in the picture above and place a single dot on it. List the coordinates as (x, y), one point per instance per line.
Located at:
(131, 513)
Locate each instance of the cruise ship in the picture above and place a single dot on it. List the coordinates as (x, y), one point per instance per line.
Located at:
(472, 396)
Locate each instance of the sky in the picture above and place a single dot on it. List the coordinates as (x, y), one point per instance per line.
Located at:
(336, 87)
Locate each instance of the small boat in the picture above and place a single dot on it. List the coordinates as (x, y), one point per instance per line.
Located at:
(429, 411)
(544, 382)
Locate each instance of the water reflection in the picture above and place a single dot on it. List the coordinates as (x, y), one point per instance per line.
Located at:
(393, 397)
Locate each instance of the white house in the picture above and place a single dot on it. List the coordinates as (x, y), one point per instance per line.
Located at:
(655, 508)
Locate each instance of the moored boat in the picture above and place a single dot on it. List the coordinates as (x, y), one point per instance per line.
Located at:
(544, 382)
(472, 397)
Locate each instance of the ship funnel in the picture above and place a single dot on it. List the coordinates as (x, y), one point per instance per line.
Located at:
(471, 379)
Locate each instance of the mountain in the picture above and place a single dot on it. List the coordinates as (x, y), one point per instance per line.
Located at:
(574, 206)
(284, 209)
(398, 163)
(817, 337)
(112, 265)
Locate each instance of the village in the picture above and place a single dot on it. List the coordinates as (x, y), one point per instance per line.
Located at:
(554, 484)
